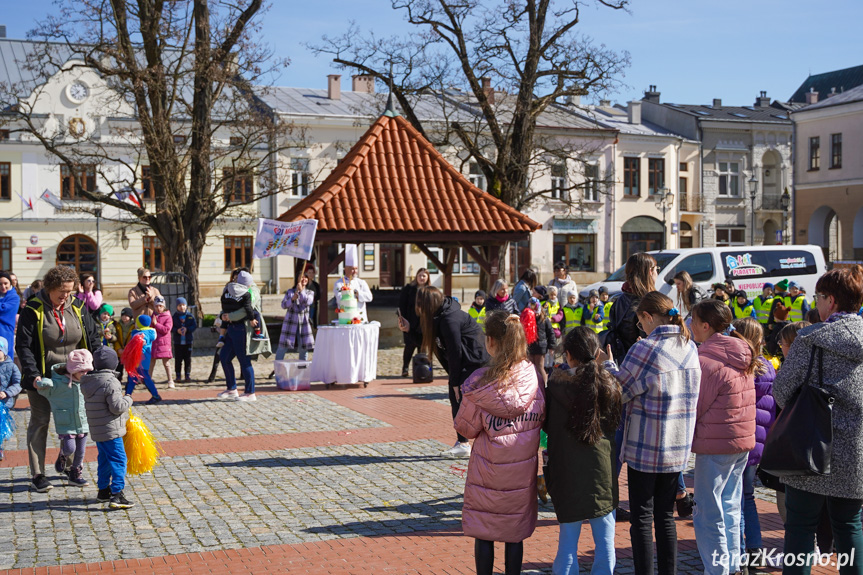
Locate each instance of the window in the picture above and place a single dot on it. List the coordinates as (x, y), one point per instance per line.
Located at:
(641, 234)
(591, 184)
(179, 140)
(238, 252)
(730, 236)
(683, 190)
(147, 185)
(699, 266)
(299, 177)
(5, 182)
(4, 135)
(6, 253)
(239, 185)
(154, 257)
(836, 150)
(744, 264)
(577, 250)
(464, 264)
(684, 166)
(476, 177)
(631, 169)
(235, 140)
(86, 175)
(815, 153)
(78, 252)
(655, 175)
(558, 182)
(729, 179)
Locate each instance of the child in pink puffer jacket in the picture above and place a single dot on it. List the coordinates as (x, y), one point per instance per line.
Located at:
(162, 323)
(502, 408)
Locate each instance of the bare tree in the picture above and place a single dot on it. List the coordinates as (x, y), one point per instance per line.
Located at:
(505, 63)
(180, 99)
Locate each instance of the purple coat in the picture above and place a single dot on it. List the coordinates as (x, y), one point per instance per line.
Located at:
(296, 320)
(765, 410)
(162, 323)
(500, 491)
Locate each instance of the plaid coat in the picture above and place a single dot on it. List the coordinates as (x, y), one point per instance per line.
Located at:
(297, 320)
(660, 379)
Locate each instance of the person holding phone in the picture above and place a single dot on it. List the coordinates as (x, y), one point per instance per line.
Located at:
(407, 312)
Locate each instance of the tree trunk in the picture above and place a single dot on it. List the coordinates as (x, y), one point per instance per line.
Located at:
(189, 262)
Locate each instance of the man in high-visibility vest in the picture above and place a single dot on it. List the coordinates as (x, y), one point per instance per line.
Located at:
(741, 306)
(796, 302)
(593, 312)
(606, 306)
(763, 304)
(572, 312)
(477, 308)
(552, 308)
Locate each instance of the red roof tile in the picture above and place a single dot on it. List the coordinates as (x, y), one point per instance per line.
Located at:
(393, 179)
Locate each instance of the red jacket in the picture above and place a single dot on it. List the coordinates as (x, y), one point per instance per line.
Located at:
(500, 491)
(725, 419)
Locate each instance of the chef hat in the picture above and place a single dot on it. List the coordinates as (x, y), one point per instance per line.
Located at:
(351, 256)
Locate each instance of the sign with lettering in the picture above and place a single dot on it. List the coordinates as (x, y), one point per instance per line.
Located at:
(275, 238)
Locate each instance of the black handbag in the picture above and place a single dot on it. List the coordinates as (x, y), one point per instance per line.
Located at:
(801, 439)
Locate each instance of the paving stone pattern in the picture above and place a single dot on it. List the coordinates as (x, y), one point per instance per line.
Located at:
(436, 393)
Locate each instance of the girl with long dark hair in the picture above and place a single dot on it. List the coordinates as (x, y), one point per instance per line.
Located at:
(407, 307)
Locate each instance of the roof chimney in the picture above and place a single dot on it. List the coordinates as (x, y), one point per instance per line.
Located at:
(651, 95)
(363, 83)
(811, 96)
(334, 87)
(717, 102)
(605, 103)
(634, 112)
(762, 101)
(487, 89)
(573, 100)
(2, 31)
(832, 92)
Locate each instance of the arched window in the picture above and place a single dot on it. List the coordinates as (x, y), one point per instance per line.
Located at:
(78, 252)
(641, 234)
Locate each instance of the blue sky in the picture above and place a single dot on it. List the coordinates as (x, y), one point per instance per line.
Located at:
(692, 50)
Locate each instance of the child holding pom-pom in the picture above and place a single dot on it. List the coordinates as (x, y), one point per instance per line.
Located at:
(107, 412)
(539, 332)
(136, 358)
(10, 387)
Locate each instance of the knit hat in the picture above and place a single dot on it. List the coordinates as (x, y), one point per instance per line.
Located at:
(593, 293)
(79, 360)
(782, 286)
(245, 278)
(740, 293)
(127, 311)
(4, 345)
(106, 308)
(767, 285)
(793, 284)
(105, 358)
(158, 300)
(480, 293)
(143, 321)
(542, 291)
(717, 286)
(603, 289)
(182, 300)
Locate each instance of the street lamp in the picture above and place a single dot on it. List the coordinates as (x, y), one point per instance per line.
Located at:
(664, 199)
(124, 239)
(98, 214)
(785, 201)
(753, 188)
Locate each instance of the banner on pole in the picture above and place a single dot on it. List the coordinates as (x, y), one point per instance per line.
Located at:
(275, 238)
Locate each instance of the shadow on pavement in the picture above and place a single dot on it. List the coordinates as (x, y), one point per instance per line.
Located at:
(335, 461)
(443, 515)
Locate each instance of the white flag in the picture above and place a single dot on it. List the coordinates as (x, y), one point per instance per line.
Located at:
(52, 199)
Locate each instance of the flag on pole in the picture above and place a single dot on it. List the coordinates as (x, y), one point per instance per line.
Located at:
(129, 194)
(275, 238)
(28, 202)
(52, 199)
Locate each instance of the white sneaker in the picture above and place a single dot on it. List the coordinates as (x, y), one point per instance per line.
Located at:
(171, 385)
(247, 397)
(458, 450)
(228, 394)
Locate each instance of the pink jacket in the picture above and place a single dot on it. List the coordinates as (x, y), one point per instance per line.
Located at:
(162, 323)
(93, 299)
(500, 492)
(725, 420)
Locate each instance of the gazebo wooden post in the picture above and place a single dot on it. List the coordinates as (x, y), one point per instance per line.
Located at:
(323, 272)
(494, 261)
(449, 259)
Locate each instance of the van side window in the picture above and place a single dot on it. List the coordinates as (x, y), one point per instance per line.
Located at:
(699, 266)
(742, 264)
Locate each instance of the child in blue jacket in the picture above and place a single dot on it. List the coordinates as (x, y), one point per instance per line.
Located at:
(183, 334)
(10, 381)
(142, 374)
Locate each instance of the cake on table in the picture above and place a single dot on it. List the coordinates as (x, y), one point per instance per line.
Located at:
(347, 304)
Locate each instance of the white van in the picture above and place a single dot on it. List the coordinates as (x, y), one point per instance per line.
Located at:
(749, 267)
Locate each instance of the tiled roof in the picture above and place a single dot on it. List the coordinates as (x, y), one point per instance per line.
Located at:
(842, 80)
(393, 180)
(846, 97)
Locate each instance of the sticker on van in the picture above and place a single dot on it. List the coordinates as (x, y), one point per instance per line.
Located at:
(779, 263)
(742, 266)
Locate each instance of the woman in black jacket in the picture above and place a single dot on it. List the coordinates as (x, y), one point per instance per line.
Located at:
(457, 342)
(407, 308)
(499, 298)
(688, 293)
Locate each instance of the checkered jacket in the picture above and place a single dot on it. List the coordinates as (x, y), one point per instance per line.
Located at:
(660, 377)
(297, 320)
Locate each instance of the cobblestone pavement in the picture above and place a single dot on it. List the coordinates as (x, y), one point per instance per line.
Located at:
(338, 480)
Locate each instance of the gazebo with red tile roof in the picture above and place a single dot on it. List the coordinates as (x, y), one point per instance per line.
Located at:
(395, 187)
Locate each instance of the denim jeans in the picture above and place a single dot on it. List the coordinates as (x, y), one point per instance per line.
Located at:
(566, 562)
(750, 526)
(804, 511)
(716, 519)
(145, 378)
(681, 484)
(235, 346)
(651, 499)
(111, 471)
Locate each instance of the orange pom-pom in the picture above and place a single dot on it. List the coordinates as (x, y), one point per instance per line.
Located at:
(133, 354)
(528, 321)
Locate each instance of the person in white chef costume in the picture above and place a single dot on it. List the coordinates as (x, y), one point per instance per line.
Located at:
(360, 287)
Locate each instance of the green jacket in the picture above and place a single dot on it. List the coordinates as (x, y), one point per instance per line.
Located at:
(254, 347)
(67, 403)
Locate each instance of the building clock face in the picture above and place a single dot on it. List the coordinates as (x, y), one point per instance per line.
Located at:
(77, 92)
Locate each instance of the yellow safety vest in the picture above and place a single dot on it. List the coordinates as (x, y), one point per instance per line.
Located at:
(479, 316)
(796, 313)
(606, 321)
(741, 312)
(589, 321)
(762, 309)
(553, 310)
(571, 317)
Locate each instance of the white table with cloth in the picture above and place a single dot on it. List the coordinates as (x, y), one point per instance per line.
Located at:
(346, 353)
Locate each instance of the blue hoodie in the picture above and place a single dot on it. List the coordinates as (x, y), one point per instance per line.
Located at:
(149, 337)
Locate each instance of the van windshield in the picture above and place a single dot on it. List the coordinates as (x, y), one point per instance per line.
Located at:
(662, 259)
